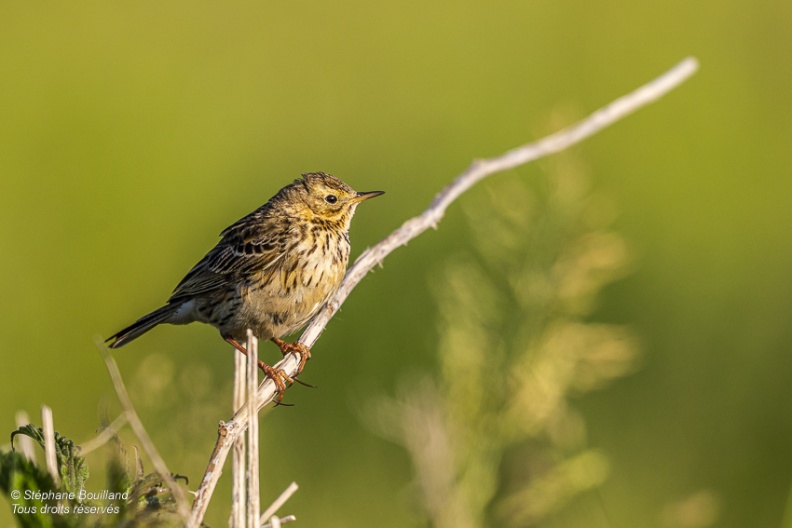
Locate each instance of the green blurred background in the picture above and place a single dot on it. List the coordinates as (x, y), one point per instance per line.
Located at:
(132, 133)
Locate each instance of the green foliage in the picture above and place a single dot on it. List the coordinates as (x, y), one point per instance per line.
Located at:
(19, 473)
(71, 466)
(130, 498)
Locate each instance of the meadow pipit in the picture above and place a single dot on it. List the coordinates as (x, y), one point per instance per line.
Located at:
(271, 271)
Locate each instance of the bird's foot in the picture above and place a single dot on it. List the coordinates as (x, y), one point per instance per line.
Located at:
(278, 376)
(295, 348)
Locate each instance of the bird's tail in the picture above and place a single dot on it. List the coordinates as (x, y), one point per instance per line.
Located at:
(141, 326)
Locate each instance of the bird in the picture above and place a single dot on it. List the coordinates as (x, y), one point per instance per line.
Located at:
(271, 271)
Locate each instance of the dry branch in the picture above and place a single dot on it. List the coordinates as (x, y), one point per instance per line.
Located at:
(477, 171)
(254, 505)
(104, 436)
(239, 484)
(25, 443)
(141, 433)
(49, 444)
(277, 503)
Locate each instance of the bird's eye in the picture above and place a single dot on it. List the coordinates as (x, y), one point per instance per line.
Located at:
(331, 198)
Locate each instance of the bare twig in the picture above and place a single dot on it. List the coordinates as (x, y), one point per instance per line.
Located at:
(238, 488)
(49, 444)
(276, 522)
(277, 503)
(478, 170)
(254, 504)
(141, 433)
(227, 433)
(104, 435)
(25, 443)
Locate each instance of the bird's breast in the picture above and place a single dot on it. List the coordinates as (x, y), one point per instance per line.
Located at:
(283, 300)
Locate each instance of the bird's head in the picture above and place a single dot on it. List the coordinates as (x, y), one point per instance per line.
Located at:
(325, 197)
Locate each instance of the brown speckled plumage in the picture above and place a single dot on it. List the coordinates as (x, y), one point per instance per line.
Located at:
(272, 270)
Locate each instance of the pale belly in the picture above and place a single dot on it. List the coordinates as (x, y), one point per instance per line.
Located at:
(275, 302)
(280, 303)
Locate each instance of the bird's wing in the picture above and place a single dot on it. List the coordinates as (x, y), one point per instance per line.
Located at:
(252, 245)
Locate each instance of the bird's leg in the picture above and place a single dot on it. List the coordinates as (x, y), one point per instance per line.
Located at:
(295, 348)
(278, 376)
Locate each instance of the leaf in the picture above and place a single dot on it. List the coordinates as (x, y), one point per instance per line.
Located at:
(71, 466)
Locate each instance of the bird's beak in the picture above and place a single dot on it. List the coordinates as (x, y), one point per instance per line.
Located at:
(366, 195)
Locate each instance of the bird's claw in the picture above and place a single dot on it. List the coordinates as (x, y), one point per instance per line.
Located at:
(278, 376)
(280, 379)
(295, 348)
